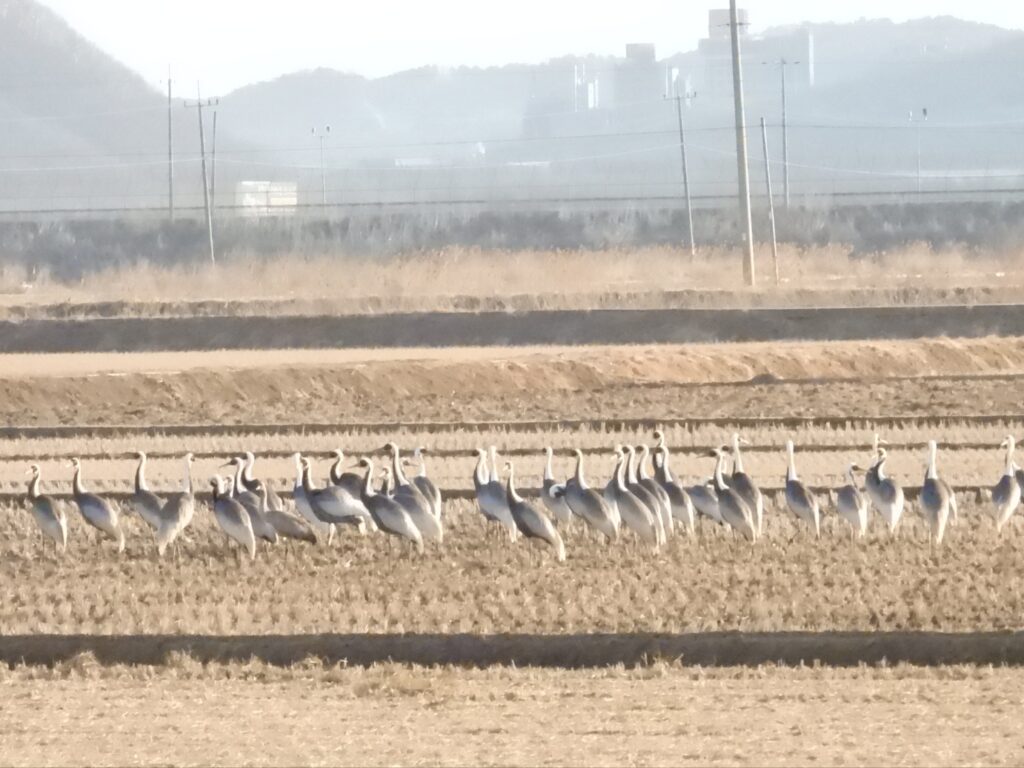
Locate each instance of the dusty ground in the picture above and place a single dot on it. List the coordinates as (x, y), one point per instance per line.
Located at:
(695, 380)
(82, 714)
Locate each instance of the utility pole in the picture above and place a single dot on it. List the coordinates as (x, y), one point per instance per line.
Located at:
(782, 64)
(917, 124)
(199, 104)
(170, 148)
(213, 167)
(686, 175)
(746, 222)
(575, 88)
(771, 199)
(322, 135)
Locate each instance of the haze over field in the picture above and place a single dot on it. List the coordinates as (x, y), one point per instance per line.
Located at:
(240, 43)
(579, 118)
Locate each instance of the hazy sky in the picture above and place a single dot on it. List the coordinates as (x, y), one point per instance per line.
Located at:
(229, 43)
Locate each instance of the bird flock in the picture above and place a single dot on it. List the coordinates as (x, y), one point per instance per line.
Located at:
(644, 501)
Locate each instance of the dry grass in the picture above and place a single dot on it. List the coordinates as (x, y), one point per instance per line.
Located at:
(432, 280)
(664, 715)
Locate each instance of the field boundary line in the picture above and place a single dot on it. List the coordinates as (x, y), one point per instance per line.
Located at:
(13, 432)
(695, 451)
(467, 493)
(570, 651)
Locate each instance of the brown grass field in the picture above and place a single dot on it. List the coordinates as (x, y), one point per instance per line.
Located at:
(470, 279)
(189, 710)
(252, 714)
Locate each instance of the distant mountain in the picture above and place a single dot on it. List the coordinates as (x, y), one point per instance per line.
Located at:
(82, 130)
(59, 91)
(960, 71)
(846, 53)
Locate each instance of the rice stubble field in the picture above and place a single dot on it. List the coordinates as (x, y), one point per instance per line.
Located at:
(655, 710)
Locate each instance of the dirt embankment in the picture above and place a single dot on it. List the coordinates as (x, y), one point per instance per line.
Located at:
(50, 306)
(495, 383)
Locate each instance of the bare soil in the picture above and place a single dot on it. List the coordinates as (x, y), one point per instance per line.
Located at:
(702, 380)
(82, 714)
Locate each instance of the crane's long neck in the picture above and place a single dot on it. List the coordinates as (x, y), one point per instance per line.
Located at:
(933, 472)
(480, 474)
(620, 473)
(642, 463)
(665, 468)
(298, 470)
(247, 472)
(880, 468)
(737, 459)
(188, 476)
(264, 499)
(397, 471)
(850, 477)
(510, 491)
(719, 480)
(33, 485)
(79, 489)
(1010, 447)
(580, 480)
(549, 473)
(368, 489)
(791, 471)
(307, 482)
(140, 475)
(423, 463)
(495, 477)
(631, 469)
(239, 472)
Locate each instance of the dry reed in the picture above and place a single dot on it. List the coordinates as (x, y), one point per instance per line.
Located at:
(435, 277)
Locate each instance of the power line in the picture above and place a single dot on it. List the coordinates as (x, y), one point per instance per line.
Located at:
(334, 148)
(79, 115)
(670, 201)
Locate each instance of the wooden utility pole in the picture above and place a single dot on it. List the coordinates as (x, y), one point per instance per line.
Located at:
(686, 174)
(199, 105)
(213, 167)
(170, 148)
(771, 199)
(322, 135)
(746, 222)
(782, 64)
